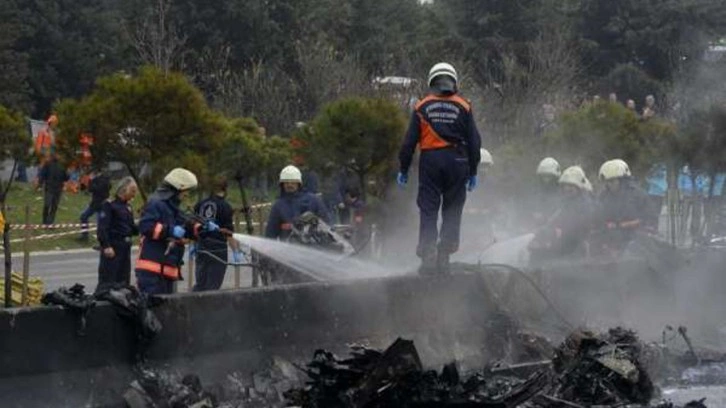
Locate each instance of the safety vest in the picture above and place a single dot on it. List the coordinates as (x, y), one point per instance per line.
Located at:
(157, 253)
(45, 143)
(429, 138)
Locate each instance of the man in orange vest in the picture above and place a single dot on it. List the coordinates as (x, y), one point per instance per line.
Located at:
(443, 127)
(45, 142)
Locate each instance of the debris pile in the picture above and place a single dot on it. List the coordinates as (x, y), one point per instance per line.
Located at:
(131, 304)
(134, 306)
(602, 369)
(395, 378)
(156, 389)
(589, 369)
(263, 389)
(74, 299)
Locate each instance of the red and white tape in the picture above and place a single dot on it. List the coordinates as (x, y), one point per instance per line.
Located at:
(49, 226)
(49, 236)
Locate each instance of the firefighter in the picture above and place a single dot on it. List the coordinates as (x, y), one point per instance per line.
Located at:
(99, 188)
(547, 194)
(567, 230)
(210, 270)
(292, 203)
(115, 230)
(164, 230)
(443, 127)
(623, 206)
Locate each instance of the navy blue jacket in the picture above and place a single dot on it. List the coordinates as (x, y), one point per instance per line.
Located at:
(115, 223)
(99, 188)
(156, 226)
(442, 121)
(217, 209)
(290, 206)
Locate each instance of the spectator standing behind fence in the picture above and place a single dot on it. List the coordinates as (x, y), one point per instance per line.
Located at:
(52, 177)
(99, 188)
(649, 109)
(115, 229)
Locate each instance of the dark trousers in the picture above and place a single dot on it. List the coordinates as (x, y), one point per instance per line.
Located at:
(153, 283)
(442, 187)
(209, 272)
(116, 270)
(51, 199)
(91, 210)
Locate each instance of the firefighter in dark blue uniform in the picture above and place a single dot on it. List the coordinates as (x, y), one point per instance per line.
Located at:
(115, 229)
(443, 127)
(292, 203)
(623, 208)
(565, 234)
(210, 270)
(164, 230)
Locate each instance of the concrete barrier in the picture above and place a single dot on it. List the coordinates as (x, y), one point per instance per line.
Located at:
(44, 362)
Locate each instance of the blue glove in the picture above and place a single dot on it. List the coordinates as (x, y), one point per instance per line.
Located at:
(471, 183)
(193, 250)
(211, 226)
(238, 257)
(402, 179)
(179, 232)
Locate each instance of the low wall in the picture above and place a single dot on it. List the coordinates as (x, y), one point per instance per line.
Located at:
(44, 361)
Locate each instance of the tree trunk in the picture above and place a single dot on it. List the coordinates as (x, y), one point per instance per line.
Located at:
(246, 210)
(10, 183)
(8, 263)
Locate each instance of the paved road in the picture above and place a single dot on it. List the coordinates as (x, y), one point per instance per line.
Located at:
(65, 268)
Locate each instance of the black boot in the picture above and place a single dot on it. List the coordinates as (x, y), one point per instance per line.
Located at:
(442, 263)
(428, 265)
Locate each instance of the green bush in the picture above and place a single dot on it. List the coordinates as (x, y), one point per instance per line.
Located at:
(602, 131)
(360, 134)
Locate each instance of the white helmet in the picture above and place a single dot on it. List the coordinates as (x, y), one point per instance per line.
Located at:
(549, 166)
(290, 174)
(575, 176)
(614, 169)
(486, 157)
(181, 179)
(442, 68)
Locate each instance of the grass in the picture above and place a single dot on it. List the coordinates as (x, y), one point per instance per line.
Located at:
(69, 210)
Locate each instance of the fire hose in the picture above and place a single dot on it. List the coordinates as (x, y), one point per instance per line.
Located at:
(480, 268)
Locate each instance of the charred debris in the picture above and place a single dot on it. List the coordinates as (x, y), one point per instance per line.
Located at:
(611, 369)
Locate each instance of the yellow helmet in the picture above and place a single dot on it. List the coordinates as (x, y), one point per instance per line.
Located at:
(181, 179)
(575, 175)
(614, 169)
